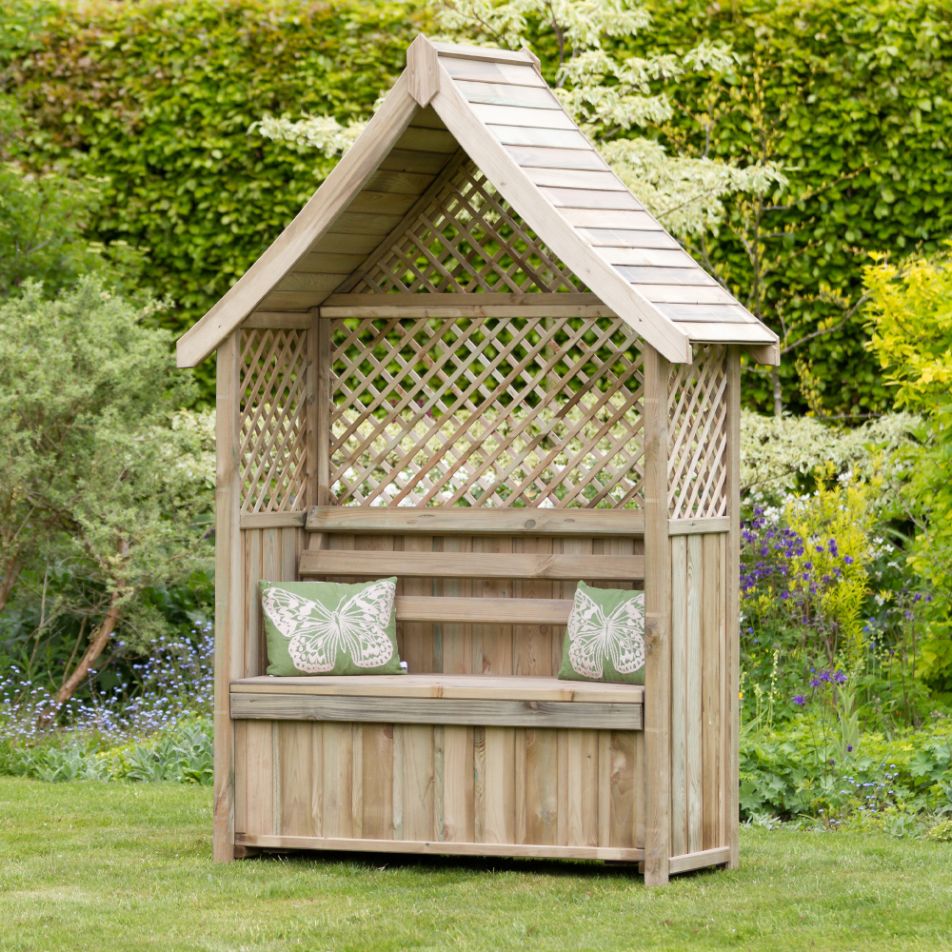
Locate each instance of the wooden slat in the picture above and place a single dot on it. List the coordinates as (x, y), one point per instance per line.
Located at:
(481, 565)
(679, 665)
(415, 300)
(731, 711)
(576, 179)
(647, 275)
(453, 686)
(604, 218)
(539, 158)
(361, 519)
(546, 138)
(277, 320)
(687, 861)
(693, 689)
(510, 74)
(501, 94)
(648, 257)
(687, 294)
(421, 139)
(650, 235)
(472, 309)
(727, 333)
(409, 710)
(698, 526)
(528, 850)
(592, 198)
(707, 313)
(521, 116)
(272, 520)
(483, 610)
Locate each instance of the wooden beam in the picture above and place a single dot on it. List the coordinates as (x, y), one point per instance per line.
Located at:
(334, 562)
(228, 592)
(380, 520)
(657, 778)
(271, 520)
(424, 70)
(439, 848)
(686, 862)
(474, 304)
(698, 526)
(581, 715)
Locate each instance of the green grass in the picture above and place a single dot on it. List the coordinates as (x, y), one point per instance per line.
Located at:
(126, 866)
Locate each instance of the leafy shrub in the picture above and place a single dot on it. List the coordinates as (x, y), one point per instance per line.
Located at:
(801, 770)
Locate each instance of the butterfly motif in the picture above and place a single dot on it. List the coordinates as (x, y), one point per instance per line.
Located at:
(356, 627)
(619, 636)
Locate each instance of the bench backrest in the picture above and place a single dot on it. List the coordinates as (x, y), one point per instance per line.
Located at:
(480, 591)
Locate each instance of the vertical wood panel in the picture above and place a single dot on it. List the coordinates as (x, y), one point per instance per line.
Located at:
(541, 789)
(498, 787)
(532, 645)
(711, 694)
(416, 638)
(416, 769)
(377, 783)
(692, 679)
(679, 660)
(337, 780)
(623, 797)
(456, 795)
(492, 644)
(457, 639)
(297, 778)
(259, 779)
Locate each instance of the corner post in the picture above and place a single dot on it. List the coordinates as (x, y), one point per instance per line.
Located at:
(228, 590)
(732, 633)
(657, 778)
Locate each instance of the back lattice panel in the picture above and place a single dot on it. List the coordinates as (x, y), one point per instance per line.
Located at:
(273, 444)
(520, 412)
(466, 238)
(697, 463)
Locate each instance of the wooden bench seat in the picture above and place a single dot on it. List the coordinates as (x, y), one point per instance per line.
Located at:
(500, 701)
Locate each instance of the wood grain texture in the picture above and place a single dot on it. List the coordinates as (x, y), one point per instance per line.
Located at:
(397, 710)
(474, 565)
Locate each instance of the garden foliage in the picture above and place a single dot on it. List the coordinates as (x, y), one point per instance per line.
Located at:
(849, 100)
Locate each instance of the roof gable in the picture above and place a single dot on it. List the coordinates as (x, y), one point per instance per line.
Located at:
(478, 137)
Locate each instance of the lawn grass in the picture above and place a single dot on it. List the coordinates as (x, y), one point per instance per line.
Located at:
(111, 867)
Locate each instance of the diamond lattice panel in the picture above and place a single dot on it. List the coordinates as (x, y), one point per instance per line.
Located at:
(520, 412)
(697, 464)
(467, 238)
(273, 422)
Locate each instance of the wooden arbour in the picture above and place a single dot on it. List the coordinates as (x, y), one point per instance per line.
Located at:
(476, 362)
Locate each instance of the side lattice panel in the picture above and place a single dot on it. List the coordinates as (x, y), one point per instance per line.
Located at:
(517, 412)
(697, 463)
(273, 443)
(466, 238)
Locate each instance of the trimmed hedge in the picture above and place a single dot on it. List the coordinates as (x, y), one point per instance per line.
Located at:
(157, 97)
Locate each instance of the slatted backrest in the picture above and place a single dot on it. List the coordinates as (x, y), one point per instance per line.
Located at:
(479, 591)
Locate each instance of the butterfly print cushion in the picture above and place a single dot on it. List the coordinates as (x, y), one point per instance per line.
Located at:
(330, 627)
(605, 640)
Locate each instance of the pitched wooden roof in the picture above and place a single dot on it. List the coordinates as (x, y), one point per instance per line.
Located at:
(493, 108)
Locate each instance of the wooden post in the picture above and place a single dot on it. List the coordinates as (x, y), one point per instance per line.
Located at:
(228, 591)
(657, 777)
(732, 601)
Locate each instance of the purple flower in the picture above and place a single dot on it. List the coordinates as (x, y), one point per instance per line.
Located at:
(839, 677)
(848, 559)
(799, 700)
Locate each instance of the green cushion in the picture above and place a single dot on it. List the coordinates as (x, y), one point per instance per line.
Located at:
(605, 640)
(331, 627)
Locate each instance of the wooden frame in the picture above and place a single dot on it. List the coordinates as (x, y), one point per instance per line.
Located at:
(468, 363)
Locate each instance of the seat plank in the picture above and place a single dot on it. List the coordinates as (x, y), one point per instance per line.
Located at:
(334, 562)
(437, 685)
(409, 710)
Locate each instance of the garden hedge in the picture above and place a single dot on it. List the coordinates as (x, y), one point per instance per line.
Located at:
(158, 97)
